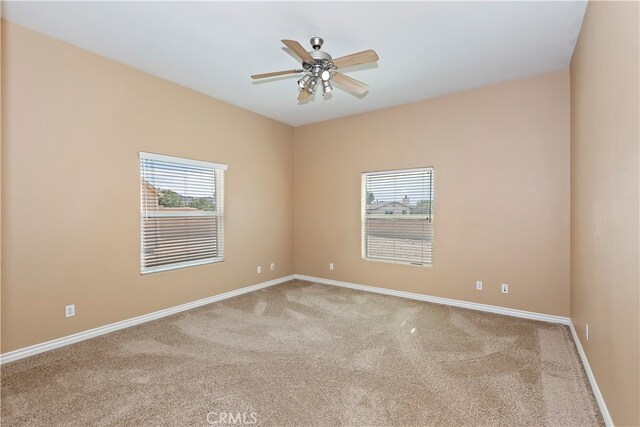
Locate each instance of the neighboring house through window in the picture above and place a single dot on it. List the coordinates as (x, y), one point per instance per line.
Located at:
(397, 216)
(182, 212)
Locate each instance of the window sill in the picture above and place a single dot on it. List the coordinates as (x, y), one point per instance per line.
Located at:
(180, 265)
(395, 261)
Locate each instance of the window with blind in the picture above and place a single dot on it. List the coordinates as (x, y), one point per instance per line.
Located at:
(397, 216)
(182, 212)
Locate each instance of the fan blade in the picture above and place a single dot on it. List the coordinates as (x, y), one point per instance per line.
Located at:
(304, 95)
(352, 84)
(356, 59)
(298, 50)
(275, 73)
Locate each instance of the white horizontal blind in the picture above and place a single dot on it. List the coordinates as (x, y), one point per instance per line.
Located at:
(397, 216)
(182, 212)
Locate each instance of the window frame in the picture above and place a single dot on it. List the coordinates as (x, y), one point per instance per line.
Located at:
(363, 218)
(219, 170)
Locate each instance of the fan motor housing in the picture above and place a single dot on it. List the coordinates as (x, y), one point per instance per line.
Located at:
(321, 59)
(319, 55)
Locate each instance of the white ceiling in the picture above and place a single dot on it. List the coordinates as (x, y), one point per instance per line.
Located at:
(426, 49)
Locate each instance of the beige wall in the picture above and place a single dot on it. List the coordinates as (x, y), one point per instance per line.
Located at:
(1, 22)
(73, 124)
(605, 279)
(501, 159)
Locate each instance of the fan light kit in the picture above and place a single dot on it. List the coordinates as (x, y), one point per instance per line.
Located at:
(320, 67)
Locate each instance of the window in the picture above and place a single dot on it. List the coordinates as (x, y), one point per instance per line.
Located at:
(397, 216)
(182, 212)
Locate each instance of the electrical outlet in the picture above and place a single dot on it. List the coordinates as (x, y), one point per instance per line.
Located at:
(70, 310)
(330, 266)
(273, 266)
(259, 269)
(478, 285)
(586, 331)
(504, 288)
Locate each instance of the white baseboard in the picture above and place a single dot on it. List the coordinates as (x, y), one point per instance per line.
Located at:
(439, 300)
(592, 379)
(101, 330)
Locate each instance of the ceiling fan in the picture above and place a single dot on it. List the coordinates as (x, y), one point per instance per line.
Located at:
(320, 67)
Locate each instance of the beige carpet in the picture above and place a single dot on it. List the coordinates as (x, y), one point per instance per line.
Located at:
(302, 354)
